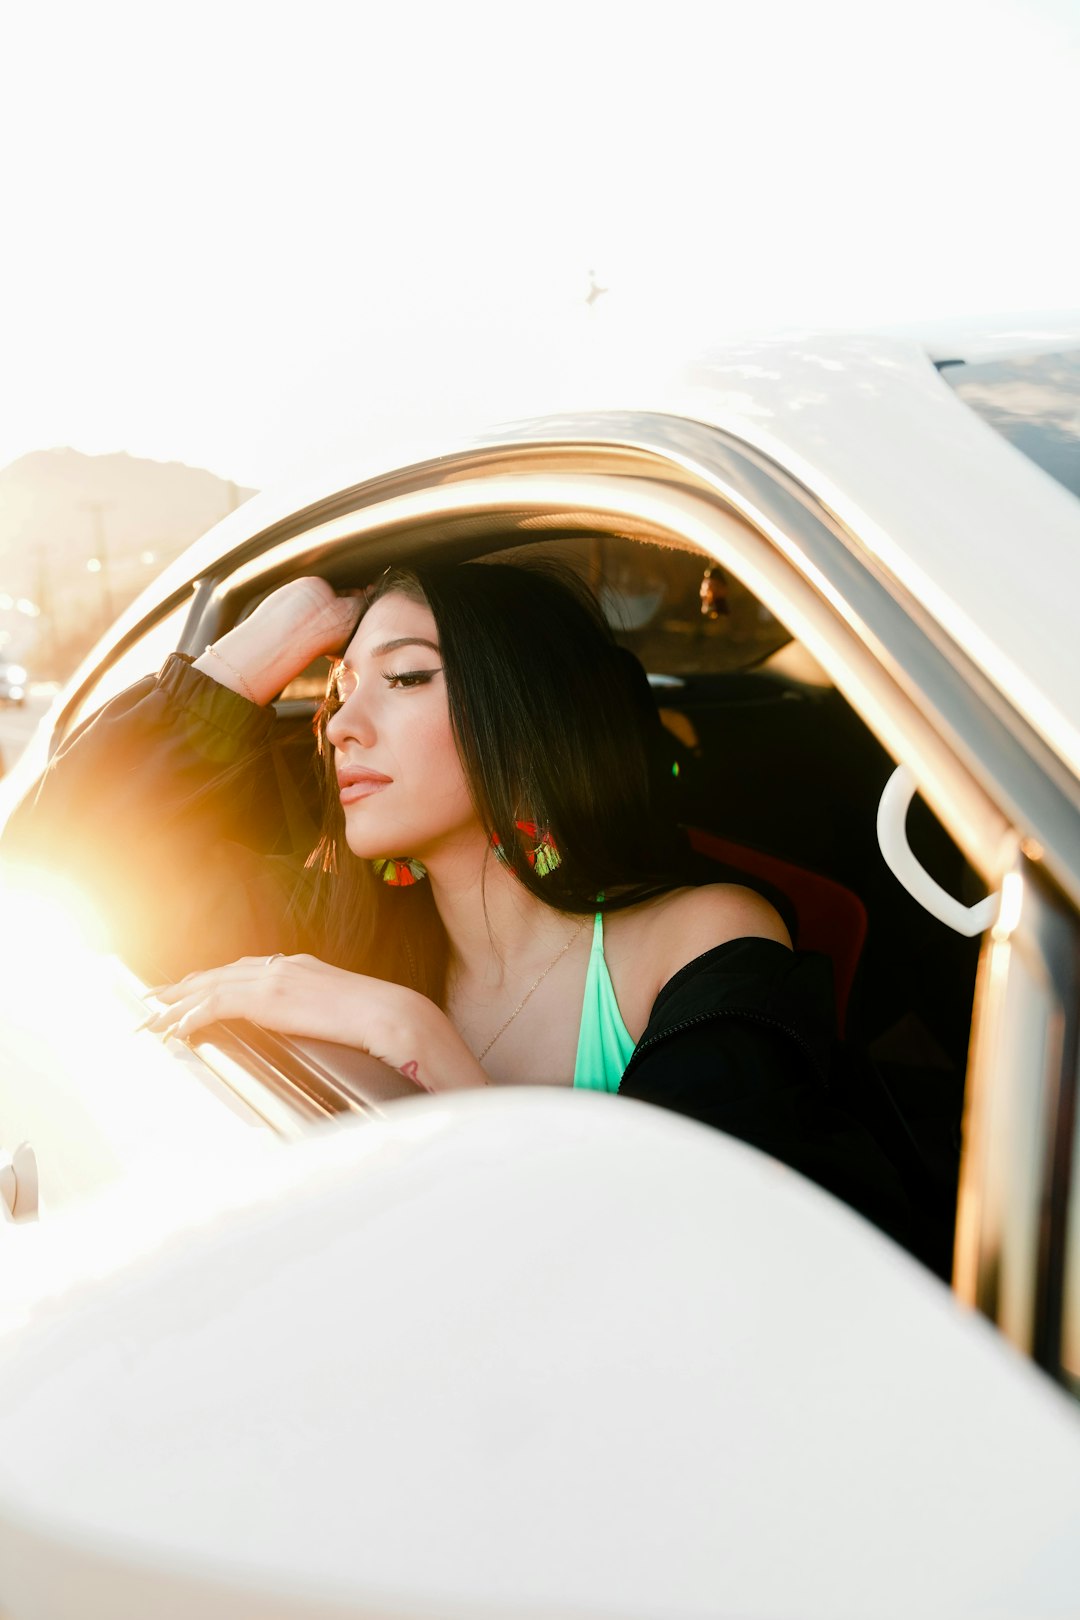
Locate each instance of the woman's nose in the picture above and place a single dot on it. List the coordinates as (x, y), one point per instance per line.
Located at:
(350, 723)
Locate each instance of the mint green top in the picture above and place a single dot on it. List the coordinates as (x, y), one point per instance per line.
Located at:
(604, 1042)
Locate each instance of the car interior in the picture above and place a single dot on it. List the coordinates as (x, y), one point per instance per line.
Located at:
(776, 781)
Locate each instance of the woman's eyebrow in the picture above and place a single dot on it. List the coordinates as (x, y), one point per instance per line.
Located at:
(403, 641)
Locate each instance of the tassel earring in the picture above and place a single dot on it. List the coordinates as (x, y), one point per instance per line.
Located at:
(400, 872)
(541, 850)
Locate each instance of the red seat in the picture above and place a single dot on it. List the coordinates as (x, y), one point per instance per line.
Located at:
(829, 918)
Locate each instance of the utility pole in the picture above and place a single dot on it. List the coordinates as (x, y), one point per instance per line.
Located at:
(101, 552)
(46, 608)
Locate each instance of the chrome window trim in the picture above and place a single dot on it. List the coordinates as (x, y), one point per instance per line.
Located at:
(1068, 1173)
(295, 1084)
(1011, 1243)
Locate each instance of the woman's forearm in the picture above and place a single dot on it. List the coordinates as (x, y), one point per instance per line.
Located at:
(295, 624)
(302, 995)
(418, 1039)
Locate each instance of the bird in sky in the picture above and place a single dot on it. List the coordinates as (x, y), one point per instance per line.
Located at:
(594, 291)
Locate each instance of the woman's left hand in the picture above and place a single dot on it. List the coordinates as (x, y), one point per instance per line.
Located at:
(300, 995)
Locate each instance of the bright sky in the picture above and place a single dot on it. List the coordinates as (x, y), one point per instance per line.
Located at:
(234, 234)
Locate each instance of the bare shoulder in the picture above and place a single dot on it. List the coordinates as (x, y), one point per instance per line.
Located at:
(718, 912)
(649, 943)
(687, 922)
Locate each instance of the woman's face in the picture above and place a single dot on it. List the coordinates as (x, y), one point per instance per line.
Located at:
(402, 787)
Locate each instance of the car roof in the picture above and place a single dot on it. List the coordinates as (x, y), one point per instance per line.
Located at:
(984, 540)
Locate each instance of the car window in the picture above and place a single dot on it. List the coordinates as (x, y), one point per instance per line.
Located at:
(768, 766)
(777, 781)
(145, 656)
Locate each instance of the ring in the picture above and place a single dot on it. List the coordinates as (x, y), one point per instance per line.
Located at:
(275, 958)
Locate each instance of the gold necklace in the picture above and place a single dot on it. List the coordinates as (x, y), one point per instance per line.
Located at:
(560, 953)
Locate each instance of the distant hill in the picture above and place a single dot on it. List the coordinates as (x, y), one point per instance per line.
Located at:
(81, 535)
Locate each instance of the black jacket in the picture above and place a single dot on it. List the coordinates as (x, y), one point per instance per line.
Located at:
(174, 813)
(742, 1039)
(173, 809)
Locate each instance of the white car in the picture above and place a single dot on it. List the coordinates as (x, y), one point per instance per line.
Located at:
(512, 1355)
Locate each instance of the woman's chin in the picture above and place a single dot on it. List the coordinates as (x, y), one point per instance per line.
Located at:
(370, 843)
(367, 848)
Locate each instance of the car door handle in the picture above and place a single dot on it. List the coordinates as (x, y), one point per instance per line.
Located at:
(19, 1184)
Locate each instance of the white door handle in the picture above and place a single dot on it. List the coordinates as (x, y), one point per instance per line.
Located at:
(19, 1184)
(900, 789)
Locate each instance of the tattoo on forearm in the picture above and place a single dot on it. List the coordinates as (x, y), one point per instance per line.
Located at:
(411, 1071)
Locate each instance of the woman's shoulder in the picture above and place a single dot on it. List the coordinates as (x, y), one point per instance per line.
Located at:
(662, 935)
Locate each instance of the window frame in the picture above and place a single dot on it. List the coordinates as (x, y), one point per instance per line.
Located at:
(1014, 1261)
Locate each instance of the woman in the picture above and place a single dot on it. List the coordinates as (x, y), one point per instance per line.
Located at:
(494, 899)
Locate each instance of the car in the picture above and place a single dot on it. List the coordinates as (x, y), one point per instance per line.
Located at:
(12, 683)
(848, 563)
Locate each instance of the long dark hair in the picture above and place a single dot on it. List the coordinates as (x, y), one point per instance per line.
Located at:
(554, 724)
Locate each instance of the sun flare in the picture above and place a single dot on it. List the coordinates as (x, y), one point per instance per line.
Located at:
(99, 1100)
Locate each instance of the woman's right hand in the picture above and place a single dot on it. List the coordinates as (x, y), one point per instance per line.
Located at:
(294, 625)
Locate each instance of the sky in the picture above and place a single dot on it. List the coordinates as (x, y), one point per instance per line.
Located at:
(239, 235)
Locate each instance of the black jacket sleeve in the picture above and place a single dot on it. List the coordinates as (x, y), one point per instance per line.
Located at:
(166, 808)
(742, 1039)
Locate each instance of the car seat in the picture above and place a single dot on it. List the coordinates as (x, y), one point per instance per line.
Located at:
(827, 917)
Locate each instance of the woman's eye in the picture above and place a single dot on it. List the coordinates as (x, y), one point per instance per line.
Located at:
(412, 677)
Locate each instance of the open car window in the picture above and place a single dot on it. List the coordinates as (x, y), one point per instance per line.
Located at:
(775, 778)
(778, 783)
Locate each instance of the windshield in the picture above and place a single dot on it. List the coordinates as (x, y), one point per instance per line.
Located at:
(1034, 402)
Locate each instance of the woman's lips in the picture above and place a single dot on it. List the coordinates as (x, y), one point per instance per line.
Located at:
(355, 785)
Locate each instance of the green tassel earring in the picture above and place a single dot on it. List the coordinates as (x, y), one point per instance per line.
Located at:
(401, 872)
(541, 850)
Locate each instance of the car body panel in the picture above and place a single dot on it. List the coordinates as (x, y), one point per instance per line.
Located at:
(730, 1399)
